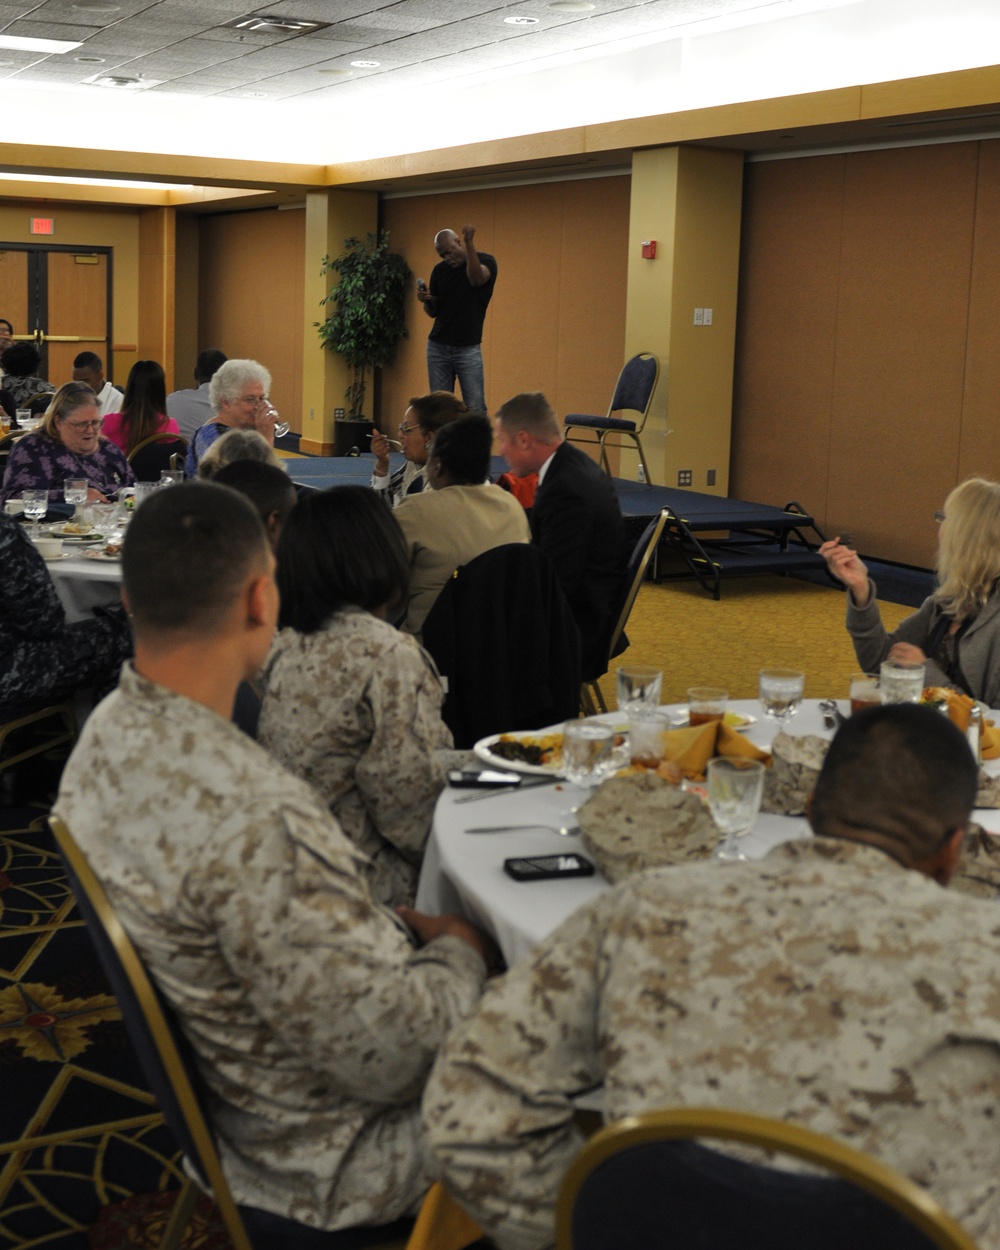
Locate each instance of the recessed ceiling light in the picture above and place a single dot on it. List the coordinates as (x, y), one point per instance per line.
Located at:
(336, 73)
(90, 60)
(271, 25)
(522, 21)
(572, 6)
(366, 64)
(17, 43)
(119, 82)
(96, 8)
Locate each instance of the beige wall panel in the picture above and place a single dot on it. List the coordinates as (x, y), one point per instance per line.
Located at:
(14, 290)
(786, 334)
(592, 295)
(903, 306)
(88, 228)
(251, 293)
(979, 449)
(556, 321)
(527, 321)
(187, 344)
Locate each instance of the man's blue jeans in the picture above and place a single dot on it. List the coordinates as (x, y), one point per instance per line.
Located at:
(446, 364)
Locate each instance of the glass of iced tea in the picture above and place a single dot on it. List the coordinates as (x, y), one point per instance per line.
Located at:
(647, 737)
(865, 692)
(705, 704)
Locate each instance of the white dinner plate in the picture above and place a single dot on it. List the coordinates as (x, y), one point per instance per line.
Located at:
(57, 531)
(680, 721)
(95, 553)
(482, 751)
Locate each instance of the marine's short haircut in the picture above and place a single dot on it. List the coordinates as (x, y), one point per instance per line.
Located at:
(463, 448)
(21, 360)
(88, 360)
(208, 364)
(436, 409)
(532, 412)
(901, 772)
(338, 547)
(268, 488)
(188, 552)
(230, 379)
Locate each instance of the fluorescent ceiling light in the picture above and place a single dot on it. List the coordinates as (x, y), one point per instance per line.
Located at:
(97, 182)
(18, 44)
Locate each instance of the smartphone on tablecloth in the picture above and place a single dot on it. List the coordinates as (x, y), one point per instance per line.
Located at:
(486, 778)
(548, 867)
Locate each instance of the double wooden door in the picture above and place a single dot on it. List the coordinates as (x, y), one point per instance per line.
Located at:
(58, 298)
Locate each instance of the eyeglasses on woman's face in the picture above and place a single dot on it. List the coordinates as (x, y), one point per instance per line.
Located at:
(84, 427)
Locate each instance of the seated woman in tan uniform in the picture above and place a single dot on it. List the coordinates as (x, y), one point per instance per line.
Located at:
(462, 516)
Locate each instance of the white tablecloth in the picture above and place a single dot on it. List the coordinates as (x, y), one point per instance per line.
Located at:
(84, 584)
(463, 872)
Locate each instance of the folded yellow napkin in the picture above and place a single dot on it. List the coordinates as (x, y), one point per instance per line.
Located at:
(691, 749)
(959, 706)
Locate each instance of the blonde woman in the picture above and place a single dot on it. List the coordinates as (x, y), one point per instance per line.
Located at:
(957, 630)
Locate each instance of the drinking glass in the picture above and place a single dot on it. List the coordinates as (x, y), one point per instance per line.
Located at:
(4, 424)
(864, 692)
(36, 504)
(281, 427)
(901, 683)
(588, 748)
(705, 704)
(75, 491)
(780, 692)
(639, 688)
(24, 418)
(105, 518)
(647, 737)
(171, 477)
(735, 789)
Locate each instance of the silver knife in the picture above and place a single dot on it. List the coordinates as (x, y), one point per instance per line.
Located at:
(525, 785)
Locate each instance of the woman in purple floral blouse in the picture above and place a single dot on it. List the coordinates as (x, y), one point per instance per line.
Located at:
(68, 444)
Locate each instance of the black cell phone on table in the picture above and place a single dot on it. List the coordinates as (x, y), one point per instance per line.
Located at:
(548, 867)
(487, 778)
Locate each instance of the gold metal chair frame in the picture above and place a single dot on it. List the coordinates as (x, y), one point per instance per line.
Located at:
(877, 1178)
(65, 710)
(143, 989)
(161, 436)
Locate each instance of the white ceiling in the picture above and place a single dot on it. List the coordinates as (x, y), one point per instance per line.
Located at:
(185, 46)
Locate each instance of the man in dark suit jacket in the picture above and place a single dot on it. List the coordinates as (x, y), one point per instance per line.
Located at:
(576, 519)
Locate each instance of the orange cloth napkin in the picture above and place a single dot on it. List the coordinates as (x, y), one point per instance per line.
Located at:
(691, 749)
(442, 1224)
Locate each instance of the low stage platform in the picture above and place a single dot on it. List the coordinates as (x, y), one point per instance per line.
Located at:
(706, 537)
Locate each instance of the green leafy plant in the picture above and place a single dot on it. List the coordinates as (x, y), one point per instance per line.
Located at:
(369, 317)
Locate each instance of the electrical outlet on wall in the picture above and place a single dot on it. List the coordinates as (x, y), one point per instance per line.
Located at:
(710, 477)
(684, 477)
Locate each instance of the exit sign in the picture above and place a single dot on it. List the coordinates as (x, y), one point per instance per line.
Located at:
(42, 225)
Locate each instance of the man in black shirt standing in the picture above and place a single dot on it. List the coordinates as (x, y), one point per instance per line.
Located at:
(459, 294)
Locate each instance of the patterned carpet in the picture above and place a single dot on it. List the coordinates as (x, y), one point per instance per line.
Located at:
(78, 1131)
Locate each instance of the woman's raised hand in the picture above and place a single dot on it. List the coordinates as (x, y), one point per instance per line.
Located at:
(848, 567)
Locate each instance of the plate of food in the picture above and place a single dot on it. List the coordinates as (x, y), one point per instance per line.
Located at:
(74, 532)
(112, 551)
(537, 753)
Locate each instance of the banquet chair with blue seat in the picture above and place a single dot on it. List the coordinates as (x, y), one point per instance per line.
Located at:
(633, 393)
(169, 1065)
(643, 1184)
(156, 453)
(591, 698)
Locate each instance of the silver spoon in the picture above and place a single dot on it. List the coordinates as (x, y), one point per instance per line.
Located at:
(566, 831)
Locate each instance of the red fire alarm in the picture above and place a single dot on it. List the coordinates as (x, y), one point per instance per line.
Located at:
(649, 250)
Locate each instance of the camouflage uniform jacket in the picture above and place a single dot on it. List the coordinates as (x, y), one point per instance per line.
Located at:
(315, 1020)
(355, 710)
(824, 985)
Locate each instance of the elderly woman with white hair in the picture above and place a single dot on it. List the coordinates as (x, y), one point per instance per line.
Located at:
(236, 445)
(238, 395)
(956, 631)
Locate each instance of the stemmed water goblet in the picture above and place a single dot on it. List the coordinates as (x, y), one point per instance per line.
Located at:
(75, 491)
(281, 428)
(735, 789)
(36, 504)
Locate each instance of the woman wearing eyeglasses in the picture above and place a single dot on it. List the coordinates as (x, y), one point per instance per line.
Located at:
(421, 421)
(68, 444)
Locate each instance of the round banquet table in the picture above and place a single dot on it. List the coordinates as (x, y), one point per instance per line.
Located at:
(463, 872)
(83, 583)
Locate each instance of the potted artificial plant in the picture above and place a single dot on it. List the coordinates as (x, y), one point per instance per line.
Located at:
(367, 323)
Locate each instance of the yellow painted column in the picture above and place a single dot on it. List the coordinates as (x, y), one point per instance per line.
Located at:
(331, 217)
(682, 307)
